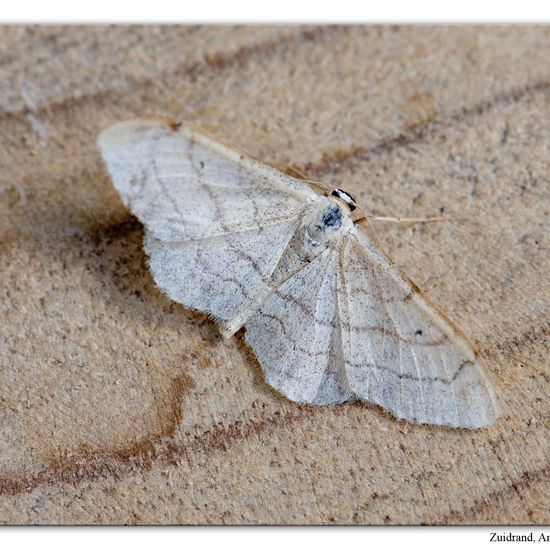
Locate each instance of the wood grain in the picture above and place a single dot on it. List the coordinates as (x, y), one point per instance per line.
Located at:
(121, 407)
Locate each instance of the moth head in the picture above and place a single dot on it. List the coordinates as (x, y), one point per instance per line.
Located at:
(346, 197)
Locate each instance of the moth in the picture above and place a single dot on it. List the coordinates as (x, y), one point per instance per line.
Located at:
(326, 312)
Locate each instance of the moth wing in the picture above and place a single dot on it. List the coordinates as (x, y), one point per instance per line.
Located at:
(217, 222)
(295, 335)
(400, 351)
(350, 326)
(225, 277)
(184, 186)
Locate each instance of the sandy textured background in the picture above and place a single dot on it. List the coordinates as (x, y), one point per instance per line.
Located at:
(118, 406)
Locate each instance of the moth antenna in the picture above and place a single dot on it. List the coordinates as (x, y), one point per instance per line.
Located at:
(429, 219)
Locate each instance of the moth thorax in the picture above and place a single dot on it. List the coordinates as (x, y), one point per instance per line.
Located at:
(326, 223)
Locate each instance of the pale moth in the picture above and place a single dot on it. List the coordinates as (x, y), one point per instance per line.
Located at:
(328, 315)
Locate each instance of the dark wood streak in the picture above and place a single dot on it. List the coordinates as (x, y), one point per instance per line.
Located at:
(335, 161)
(517, 486)
(208, 67)
(88, 465)
(95, 464)
(521, 342)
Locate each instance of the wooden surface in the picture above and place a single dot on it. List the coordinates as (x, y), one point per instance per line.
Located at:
(118, 406)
